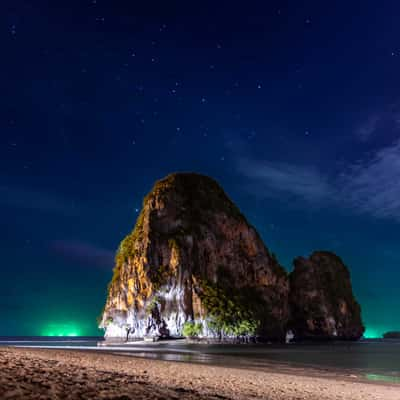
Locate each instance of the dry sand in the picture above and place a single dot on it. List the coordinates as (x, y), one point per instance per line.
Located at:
(70, 374)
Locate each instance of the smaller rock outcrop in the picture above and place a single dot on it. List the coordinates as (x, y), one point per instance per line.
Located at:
(392, 335)
(321, 299)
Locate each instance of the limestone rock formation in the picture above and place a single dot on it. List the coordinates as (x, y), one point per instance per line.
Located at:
(321, 299)
(193, 258)
(391, 335)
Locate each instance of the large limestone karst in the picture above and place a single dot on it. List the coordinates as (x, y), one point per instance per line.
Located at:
(193, 257)
(321, 299)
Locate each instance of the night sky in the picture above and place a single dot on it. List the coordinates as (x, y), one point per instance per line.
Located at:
(293, 106)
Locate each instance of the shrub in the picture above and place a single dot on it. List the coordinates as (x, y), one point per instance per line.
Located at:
(230, 312)
(192, 329)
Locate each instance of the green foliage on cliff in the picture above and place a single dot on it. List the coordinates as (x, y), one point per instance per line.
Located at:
(228, 310)
(127, 247)
(126, 250)
(192, 329)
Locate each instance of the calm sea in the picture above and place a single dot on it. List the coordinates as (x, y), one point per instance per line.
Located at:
(372, 359)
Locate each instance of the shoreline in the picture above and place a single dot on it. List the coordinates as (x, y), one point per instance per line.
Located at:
(28, 372)
(285, 367)
(130, 349)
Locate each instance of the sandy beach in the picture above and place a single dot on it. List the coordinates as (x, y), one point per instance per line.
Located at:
(63, 374)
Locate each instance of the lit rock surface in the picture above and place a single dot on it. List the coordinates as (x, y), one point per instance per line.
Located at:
(321, 299)
(192, 256)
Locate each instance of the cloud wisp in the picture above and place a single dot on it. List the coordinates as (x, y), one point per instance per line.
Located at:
(371, 186)
(282, 178)
(380, 123)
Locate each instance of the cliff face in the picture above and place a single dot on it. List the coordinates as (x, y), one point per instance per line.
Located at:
(321, 299)
(192, 256)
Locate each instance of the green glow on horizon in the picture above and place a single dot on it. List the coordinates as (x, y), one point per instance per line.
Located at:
(374, 333)
(61, 330)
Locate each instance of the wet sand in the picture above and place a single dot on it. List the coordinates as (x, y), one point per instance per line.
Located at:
(70, 374)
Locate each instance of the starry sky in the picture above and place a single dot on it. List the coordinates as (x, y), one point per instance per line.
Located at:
(293, 107)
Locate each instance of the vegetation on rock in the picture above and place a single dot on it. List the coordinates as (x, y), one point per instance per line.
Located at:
(192, 329)
(228, 310)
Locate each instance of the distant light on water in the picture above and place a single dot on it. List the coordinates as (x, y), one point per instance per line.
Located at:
(61, 330)
(373, 333)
